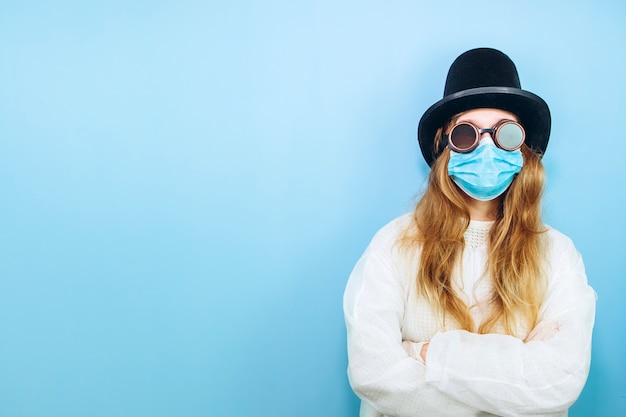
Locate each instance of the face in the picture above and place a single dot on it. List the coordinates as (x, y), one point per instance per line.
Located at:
(483, 173)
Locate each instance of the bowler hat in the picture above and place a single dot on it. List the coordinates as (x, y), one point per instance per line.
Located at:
(485, 77)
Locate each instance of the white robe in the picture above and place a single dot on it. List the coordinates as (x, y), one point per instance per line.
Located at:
(465, 374)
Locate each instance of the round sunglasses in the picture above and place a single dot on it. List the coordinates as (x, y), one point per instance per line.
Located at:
(464, 136)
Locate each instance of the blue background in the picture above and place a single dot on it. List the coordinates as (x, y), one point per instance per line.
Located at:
(186, 185)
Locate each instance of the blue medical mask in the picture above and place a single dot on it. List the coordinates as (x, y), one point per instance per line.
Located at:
(486, 172)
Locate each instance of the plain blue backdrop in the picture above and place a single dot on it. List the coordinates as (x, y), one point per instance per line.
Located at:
(186, 185)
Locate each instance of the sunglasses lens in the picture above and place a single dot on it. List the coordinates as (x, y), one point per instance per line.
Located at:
(510, 136)
(463, 137)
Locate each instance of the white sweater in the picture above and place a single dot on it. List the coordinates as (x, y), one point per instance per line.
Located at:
(465, 374)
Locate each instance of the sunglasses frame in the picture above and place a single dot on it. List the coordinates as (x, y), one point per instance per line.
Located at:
(479, 132)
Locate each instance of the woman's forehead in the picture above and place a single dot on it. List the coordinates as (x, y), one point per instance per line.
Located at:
(486, 115)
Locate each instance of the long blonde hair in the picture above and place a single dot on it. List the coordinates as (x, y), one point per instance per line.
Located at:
(515, 248)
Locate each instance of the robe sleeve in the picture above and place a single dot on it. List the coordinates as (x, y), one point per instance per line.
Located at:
(380, 371)
(545, 374)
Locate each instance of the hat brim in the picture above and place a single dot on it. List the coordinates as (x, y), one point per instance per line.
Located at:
(532, 111)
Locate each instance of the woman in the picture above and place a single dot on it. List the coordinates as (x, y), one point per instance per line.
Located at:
(470, 306)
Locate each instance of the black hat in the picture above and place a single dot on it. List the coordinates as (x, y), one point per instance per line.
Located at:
(485, 77)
